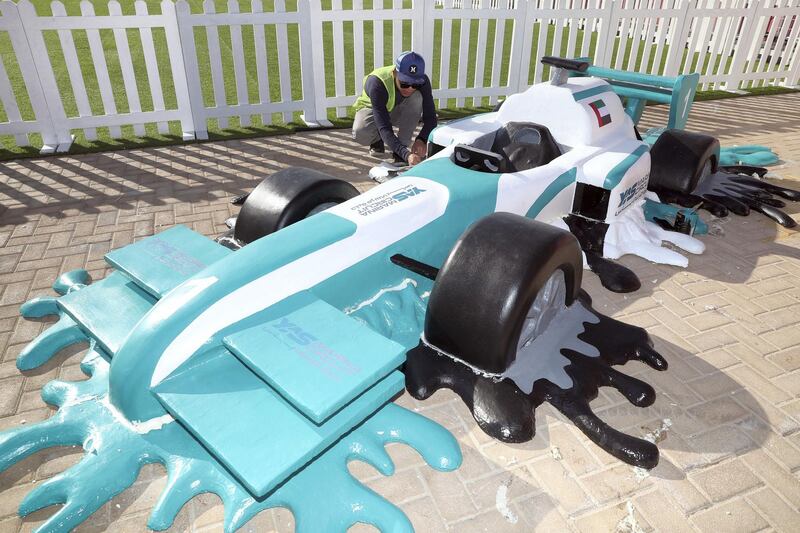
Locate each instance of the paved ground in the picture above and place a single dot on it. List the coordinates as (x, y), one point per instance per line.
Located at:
(728, 325)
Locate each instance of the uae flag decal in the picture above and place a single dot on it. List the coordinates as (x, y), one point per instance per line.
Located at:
(601, 112)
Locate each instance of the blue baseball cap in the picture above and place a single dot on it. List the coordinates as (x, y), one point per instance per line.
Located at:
(410, 68)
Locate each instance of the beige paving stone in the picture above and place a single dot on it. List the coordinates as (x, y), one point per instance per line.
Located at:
(10, 389)
(776, 476)
(541, 513)
(726, 480)
(778, 513)
(719, 411)
(736, 516)
(710, 386)
(614, 484)
(757, 360)
(511, 485)
(556, 479)
(724, 441)
(424, 514)
(451, 497)
(789, 360)
(661, 513)
(763, 387)
(620, 517)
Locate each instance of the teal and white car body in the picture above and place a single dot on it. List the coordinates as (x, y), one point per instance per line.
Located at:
(341, 256)
(298, 337)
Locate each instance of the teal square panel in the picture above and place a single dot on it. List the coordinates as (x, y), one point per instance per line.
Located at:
(162, 262)
(317, 357)
(108, 309)
(248, 426)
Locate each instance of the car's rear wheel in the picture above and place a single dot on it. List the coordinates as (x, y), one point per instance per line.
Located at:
(502, 284)
(680, 160)
(284, 198)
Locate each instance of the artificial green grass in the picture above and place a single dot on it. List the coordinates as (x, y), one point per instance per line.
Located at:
(279, 123)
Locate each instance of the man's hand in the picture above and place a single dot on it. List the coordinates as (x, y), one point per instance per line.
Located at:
(413, 159)
(420, 149)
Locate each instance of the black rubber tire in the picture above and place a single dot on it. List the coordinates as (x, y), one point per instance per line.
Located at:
(486, 287)
(677, 160)
(286, 197)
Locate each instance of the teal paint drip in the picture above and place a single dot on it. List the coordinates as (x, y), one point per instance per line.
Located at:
(397, 313)
(116, 449)
(63, 333)
(750, 154)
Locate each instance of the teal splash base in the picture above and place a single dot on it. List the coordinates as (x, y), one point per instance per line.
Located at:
(323, 496)
(753, 155)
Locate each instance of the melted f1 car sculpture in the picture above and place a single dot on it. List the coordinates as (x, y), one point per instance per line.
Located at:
(256, 374)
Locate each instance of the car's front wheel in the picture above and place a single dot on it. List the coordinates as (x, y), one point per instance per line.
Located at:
(502, 284)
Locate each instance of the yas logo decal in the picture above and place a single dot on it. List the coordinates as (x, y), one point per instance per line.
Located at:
(294, 333)
(406, 194)
(633, 192)
(601, 112)
(387, 199)
(305, 345)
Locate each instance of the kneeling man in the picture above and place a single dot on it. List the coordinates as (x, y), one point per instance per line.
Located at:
(396, 95)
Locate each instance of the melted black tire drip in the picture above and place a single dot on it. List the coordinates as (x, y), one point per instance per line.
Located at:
(591, 236)
(613, 276)
(740, 190)
(505, 412)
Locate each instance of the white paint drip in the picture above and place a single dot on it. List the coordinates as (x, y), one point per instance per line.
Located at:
(137, 426)
(631, 233)
(658, 434)
(501, 503)
(474, 369)
(628, 524)
(655, 436)
(396, 288)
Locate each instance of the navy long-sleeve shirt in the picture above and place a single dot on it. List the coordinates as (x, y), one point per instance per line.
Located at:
(379, 97)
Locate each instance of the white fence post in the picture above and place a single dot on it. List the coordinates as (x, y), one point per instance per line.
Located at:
(422, 30)
(526, 46)
(60, 138)
(740, 53)
(678, 46)
(312, 63)
(189, 55)
(22, 50)
(608, 28)
(522, 13)
(179, 72)
(792, 79)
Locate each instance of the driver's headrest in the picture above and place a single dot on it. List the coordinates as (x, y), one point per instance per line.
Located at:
(514, 147)
(525, 145)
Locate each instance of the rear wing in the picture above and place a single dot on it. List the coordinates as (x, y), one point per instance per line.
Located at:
(636, 89)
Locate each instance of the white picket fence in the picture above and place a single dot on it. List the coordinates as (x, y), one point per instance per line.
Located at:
(259, 60)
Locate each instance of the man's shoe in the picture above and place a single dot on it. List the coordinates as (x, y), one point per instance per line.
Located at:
(377, 150)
